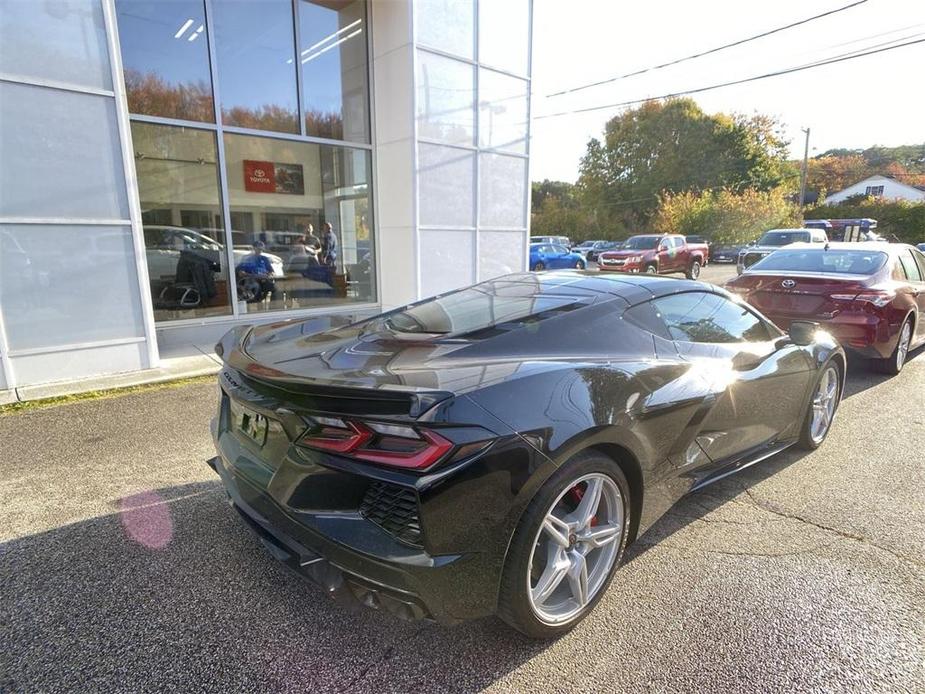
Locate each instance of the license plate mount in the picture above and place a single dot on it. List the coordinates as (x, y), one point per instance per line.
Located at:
(252, 424)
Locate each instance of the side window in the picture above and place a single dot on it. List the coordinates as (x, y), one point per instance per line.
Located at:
(711, 318)
(910, 266)
(559, 250)
(920, 259)
(645, 316)
(898, 272)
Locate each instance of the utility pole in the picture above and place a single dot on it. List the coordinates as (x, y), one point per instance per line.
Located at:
(803, 170)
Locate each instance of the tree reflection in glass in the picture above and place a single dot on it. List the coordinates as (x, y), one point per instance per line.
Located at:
(255, 51)
(165, 54)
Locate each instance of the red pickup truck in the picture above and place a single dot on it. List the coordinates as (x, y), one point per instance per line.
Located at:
(656, 254)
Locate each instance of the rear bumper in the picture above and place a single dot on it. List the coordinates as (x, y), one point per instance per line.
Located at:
(868, 336)
(345, 576)
(328, 518)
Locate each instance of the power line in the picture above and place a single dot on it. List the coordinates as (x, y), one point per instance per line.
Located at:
(799, 68)
(709, 52)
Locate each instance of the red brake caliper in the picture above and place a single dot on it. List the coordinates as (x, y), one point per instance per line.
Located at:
(576, 494)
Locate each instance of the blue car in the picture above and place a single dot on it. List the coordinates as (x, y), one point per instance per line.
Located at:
(921, 247)
(549, 256)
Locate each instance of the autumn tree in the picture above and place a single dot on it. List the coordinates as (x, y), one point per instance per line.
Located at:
(725, 216)
(673, 146)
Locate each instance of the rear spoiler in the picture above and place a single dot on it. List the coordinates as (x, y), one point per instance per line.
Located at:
(319, 395)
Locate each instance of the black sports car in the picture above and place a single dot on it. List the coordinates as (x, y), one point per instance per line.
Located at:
(496, 448)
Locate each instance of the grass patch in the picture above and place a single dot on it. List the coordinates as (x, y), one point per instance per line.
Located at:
(16, 407)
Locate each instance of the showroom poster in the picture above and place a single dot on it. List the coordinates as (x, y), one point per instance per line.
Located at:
(271, 177)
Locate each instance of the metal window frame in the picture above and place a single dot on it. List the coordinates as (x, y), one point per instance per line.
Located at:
(75, 346)
(219, 129)
(60, 85)
(9, 376)
(131, 180)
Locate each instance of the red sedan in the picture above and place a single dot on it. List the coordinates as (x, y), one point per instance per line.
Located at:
(870, 296)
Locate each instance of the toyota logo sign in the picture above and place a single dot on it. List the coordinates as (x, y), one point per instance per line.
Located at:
(788, 284)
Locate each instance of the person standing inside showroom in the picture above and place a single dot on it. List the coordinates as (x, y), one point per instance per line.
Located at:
(328, 245)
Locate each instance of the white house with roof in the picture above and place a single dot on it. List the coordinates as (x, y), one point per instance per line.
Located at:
(879, 186)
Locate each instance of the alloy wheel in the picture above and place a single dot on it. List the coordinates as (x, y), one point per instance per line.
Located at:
(902, 349)
(824, 401)
(575, 548)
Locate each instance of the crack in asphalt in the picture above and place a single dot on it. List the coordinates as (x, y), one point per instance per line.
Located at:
(386, 655)
(767, 555)
(768, 507)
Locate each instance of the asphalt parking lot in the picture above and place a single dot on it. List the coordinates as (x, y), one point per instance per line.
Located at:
(122, 568)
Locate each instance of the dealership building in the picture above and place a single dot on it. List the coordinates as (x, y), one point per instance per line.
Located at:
(174, 167)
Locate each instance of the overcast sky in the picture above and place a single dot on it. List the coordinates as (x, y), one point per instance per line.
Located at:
(873, 100)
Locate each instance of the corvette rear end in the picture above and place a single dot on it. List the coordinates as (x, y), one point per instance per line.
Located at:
(495, 449)
(339, 482)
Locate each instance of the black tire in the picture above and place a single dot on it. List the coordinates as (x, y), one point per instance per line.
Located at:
(580, 265)
(513, 603)
(651, 270)
(807, 442)
(539, 267)
(693, 272)
(893, 365)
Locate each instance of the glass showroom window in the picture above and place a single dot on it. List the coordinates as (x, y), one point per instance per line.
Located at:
(255, 51)
(332, 53)
(304, 210)
(178, 187)
(165, 54)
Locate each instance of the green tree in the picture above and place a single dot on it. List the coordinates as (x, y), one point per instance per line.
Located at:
(671, 147)
(557, 209)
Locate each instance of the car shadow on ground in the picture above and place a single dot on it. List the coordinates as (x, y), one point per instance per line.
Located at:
(173, 592)
(862, 373)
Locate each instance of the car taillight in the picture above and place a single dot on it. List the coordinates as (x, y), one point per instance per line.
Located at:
(375, 442)
(878, 299)
(335, 435)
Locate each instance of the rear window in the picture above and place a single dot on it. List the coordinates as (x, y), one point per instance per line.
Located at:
(485, 306)
(812, 260)
(641, 243)
(782, 238)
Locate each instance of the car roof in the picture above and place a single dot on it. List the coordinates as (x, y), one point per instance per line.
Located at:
(883, 246)
(632, 288)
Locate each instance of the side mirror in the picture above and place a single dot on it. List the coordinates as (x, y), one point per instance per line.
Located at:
(803, 332)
